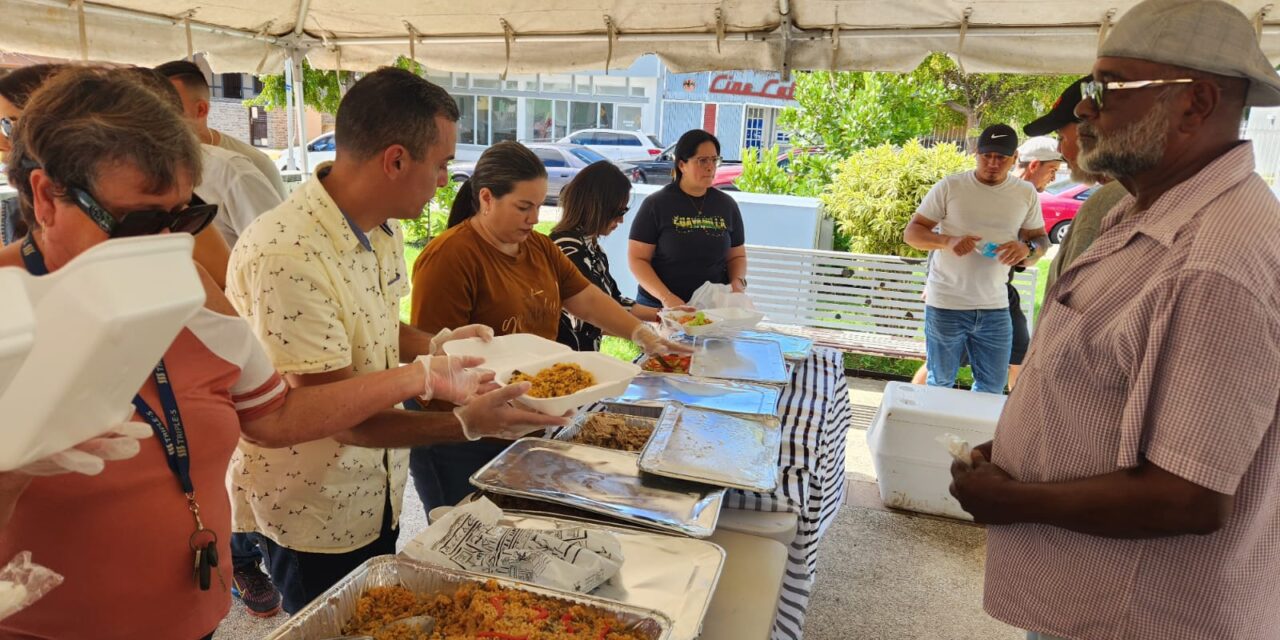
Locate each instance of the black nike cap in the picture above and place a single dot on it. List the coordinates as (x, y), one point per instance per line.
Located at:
(998, 138)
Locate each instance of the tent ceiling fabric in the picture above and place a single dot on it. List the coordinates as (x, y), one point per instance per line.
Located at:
(1028, 36)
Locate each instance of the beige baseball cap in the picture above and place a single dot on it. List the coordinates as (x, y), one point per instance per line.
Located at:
(1042, 148)
(1205, 35)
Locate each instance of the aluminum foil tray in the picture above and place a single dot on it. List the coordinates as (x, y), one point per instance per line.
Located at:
(726, 450)
(324, 617)
(793, 347)
(601, 481)
(739, 359)
(569, 432)
(719, 395)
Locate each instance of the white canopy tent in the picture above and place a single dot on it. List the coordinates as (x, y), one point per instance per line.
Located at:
(528, 36)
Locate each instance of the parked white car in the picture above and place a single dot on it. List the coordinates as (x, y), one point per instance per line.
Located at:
(321, 149)
(616, 144)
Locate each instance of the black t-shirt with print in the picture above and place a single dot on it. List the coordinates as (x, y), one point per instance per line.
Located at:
(692, 237)
(594, 264)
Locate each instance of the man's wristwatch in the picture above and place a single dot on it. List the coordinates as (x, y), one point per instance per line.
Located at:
(743, 282)
(1031, 246)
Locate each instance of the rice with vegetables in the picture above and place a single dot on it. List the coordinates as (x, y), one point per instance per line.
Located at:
(486, 612)
(558, 380)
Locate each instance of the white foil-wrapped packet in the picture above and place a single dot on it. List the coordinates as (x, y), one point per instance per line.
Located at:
(958, 448)
(469, 537)
(23, 582)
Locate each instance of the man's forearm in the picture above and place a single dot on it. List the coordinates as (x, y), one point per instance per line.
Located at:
(1143, 502)
(395, 428)
(414, 342)
(925, 239)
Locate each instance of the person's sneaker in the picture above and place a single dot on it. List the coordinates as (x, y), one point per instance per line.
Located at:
(255, 590)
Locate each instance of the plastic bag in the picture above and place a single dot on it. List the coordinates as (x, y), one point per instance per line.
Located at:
(958, 448)
(719, 296)
(22, 583)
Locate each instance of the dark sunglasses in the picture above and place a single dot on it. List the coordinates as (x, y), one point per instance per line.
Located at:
(622, 212)
(193, 219)
(6, 127)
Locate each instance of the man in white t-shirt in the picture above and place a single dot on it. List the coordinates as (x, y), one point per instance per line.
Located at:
(966, 215)
(191, 83)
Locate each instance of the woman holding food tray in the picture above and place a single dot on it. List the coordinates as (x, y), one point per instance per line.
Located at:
(492, 268)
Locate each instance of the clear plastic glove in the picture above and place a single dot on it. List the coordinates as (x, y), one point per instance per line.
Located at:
(90, 457)
(453, 379)
(656, 345)
(493, 416)
(481, 331)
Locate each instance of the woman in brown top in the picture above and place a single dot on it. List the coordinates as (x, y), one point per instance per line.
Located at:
(492, 268)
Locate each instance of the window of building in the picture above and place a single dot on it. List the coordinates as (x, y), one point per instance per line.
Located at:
(539, 119)
(629, 118)
(758, 127)
(459, 81)
(504, 120)
(639, 91)
(582, 85)
(467, 119)
(562, 120)
(441, 78)
(482, 119)
(482, 81)
(610, 86)
(605, 111)
(582, 115)
(557, 84)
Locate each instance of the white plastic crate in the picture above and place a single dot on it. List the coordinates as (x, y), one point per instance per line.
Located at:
(913, 468)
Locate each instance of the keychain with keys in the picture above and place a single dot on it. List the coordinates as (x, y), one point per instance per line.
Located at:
(204, 543)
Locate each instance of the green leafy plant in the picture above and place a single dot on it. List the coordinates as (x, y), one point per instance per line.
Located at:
(807, 173)
(876, 191)
(434, 218)
(322, 90)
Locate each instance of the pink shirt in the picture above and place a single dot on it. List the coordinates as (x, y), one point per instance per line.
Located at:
(120, 538)
(1162, 342)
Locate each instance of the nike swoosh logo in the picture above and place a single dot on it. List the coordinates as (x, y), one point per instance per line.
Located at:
(1003, 135)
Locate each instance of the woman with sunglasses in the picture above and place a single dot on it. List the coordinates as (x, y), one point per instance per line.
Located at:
(688, 233)
(592, 205)
(139, 545)
(16, 88)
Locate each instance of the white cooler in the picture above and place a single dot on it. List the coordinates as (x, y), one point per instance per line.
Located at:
(914, 469)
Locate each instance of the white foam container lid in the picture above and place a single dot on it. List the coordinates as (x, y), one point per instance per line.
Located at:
(505, 353)
(102, 322)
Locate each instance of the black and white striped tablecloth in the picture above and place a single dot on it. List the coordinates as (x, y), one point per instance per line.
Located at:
(816, 417)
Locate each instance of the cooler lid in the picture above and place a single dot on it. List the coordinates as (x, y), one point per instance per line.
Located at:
(941, 406)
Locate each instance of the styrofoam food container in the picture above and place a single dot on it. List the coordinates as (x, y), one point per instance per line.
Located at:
(722, 319)
(17, 325)
(103, 321)
(504, 353)
(612, 377)
(912, 467)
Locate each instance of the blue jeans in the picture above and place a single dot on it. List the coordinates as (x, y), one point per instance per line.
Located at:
(987, 335)
(245, 554)
(442, 472)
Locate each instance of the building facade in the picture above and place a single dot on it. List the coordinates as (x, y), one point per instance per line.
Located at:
(740, 107)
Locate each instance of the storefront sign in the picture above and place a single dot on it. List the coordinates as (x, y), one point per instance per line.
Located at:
(773, 89)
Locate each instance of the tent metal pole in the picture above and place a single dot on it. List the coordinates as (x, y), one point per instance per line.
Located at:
(299, 109)
(151, 18)
(292, 161)
(304, 7)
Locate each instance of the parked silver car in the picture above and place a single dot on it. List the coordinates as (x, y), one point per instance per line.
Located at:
(563, 162)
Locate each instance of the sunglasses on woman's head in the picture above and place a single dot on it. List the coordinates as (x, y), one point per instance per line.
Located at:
(192, 219)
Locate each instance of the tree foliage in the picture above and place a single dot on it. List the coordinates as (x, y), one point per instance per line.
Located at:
(805, 174)
(876, 191)
(848, 111)
(322, 90)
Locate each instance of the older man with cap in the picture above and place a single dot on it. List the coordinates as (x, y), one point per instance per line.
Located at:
(967, 306)
(1135, 473)
(1083, 228)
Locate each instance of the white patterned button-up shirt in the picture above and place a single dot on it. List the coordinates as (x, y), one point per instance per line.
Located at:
(321, 295)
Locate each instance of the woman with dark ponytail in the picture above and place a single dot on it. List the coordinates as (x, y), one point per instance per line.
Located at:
(492, 268)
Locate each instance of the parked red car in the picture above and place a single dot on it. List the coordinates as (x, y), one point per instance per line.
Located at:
(1059, 203)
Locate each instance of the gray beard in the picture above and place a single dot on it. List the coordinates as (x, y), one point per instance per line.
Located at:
(1137, 148)
(1080, 176)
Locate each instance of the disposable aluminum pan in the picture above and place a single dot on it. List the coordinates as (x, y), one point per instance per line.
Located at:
(726, 450)
(601, 481)
(571, 431)
(793, 348)
(719, 395)
(324, 617)
(739, 359)
(671, 574)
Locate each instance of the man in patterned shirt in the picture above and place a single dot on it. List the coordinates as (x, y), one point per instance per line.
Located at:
(320, 279)
(1135, 474)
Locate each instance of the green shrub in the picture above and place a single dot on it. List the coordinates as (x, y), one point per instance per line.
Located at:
(876, 191)
(807, 175)
(434, 218)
